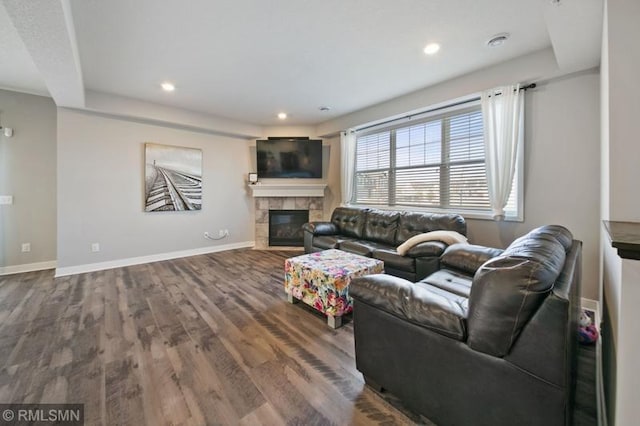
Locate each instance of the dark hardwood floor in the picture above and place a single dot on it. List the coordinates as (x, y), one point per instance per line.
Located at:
(202, 340)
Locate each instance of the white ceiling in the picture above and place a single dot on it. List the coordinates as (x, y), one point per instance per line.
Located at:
(250, 59)
(17, 70)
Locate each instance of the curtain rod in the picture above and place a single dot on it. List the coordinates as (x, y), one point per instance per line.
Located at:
(359, 129)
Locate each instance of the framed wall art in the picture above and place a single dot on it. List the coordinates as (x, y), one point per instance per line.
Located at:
(173, 178)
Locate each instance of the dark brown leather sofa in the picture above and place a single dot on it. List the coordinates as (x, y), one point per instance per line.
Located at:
(377, 233)
(490, 339)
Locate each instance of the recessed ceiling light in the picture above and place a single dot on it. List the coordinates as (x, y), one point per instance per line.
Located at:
(431, 48)
(282, 115)
(498, 40)
(168, 87)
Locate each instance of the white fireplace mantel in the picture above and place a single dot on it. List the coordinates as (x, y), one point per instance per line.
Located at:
(263, 189)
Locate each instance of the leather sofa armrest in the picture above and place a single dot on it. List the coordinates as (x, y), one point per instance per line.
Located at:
(468, 257)
(427, 248)
(321, 228)
(412, 302)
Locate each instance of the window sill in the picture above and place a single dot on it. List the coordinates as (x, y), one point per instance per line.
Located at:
(467, 214)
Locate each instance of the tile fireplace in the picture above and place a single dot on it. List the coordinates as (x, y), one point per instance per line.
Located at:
(266, 207)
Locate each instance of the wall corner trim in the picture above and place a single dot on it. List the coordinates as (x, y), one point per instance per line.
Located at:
(27, 267)
(119, 263)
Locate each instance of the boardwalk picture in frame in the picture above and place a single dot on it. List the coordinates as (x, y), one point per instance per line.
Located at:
(173, 178)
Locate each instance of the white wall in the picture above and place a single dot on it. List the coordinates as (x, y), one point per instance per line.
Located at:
(624, 109)
(620, 202)
(28, 173)
(604, 119)
(101, 191)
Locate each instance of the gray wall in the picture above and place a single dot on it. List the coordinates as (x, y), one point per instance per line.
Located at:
(28, 172)
(100, 191)
(562, 170)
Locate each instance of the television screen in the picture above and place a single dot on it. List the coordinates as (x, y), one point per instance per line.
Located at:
(289, 158)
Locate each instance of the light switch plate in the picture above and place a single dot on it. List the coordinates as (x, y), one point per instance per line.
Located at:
(6, 199)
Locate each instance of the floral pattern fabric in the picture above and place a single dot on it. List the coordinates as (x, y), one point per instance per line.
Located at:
(322, 279)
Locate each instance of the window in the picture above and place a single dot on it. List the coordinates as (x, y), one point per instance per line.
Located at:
(435, 163)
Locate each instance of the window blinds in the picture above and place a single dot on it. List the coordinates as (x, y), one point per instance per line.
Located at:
(438, 162)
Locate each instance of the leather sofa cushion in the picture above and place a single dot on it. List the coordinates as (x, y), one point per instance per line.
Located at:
(412, 223)
(507, 291)
(542, 248)
(381, 226)
(362, 247)
(451, 281)
(559, 233)
(329, 241)
(468, 257)
(421, 304)
(349, 220)
(459, 300)
(393, 260)
(321, 228)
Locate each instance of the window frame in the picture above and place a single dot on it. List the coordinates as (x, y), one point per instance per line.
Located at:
(391, 125)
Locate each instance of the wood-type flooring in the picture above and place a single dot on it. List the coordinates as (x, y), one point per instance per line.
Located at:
(201, 340)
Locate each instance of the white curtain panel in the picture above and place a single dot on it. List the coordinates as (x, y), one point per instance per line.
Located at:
(503, 119)
(348, 160)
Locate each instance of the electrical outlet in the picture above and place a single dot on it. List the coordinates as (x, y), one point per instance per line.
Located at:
(26, 247)
(6, 199)
(95, 247)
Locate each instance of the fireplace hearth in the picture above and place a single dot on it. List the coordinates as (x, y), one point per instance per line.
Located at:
(285, 227)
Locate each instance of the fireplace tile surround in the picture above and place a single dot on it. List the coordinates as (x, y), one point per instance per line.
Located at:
(315, 205)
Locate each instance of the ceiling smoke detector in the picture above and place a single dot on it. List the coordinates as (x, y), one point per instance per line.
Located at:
(498, 40)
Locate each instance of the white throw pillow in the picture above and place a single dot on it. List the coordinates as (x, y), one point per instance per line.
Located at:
(448, 237)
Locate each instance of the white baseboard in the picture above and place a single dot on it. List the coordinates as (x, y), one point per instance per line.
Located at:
(91, 267)
(27, 267)
(594, 305)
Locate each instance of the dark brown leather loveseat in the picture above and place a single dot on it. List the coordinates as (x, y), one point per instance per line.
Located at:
(377, 233)
(489, 339)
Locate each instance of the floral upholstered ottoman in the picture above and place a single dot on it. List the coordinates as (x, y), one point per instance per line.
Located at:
(322, 280)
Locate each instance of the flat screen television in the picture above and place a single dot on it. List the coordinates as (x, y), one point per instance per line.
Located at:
(289, 158)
